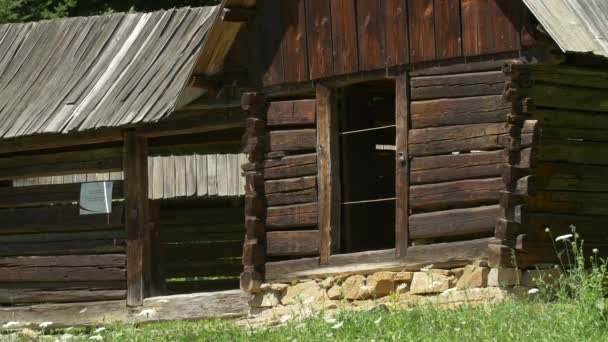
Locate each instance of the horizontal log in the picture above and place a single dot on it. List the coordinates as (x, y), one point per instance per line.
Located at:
(12, 197)
(57, 219)
(198, 286)
(445, 140)
(118, 234)
(458, 85)
(198, 118)
(291, 184)
(571, 177)
(98, 246)
(457, 222)
(204, 216)
(192, 252)
(299, 112)
(567, 97)
(436, 169)
(455, 194)
(570, 119)
(61, 163)
(208, 268)
(590, 228)
(461, 111)
(292, 216)
(386, 255)
(292, 243)
(563, 74)
(287, 167)
(293, 140)
(102, 261)
(63, 268)
(565, 202)
(200, 233)
(30, 296)
(448, 254)
(576, 152)
(293, 197)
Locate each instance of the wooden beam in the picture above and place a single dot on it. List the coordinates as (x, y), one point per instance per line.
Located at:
(29, 196)
(135, 163)
(328, 172)
(402, 165)
(196, 122)
(52, 141)
(237, 15)
(455, 222)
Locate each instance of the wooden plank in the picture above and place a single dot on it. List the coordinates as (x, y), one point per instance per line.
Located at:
(329, 172)
(465, 138)
(295, 52)
(456, 222)
(202, 251)
(448, 36)
(215, 268)
(292, 243)
(506, 25)
(169, 180)
(41, 269)
(290, 166)
(460, 111)
(200, 214)
(402, 165)
(191, 183)
(459, 85)
(201, 175)
(112, 242)
(13, 197)
(60, 163)
(477, 27)
(571, 177)
(158, 181)
(292, 216)
(575, 152)
(293, 140)
(396, 32)
(27, 295)
(180, 175)
(422, 30)
(51, 141)
(567, 97)
(344, 36)
(319, 28)
(568, 75)
(564, 202)
(448, 255)
(436, 169)
(299, 112)
(212, 176)
(292, 197)
(291, 184)
(456, 194)
(222, 175)
(273, 26)
(201, 233)
(56, 219)
(371, 34)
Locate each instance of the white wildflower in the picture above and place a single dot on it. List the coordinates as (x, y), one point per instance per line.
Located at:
(45, 324)
(533, 291)
(147, 312)
(83, 310)
(285, 318)
(96, 338)
(563, 237)
(402, 287)
(97, 331)
(10, 324)
(547, 230)
(376, 322)
(337, 325)
(330, 320)
(595, 251)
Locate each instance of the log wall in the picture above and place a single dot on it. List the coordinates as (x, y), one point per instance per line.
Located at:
(558, 167)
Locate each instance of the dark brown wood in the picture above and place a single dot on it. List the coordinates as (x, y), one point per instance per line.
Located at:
(422, 30)
(35, 295)
(344, 36)
(293, 140)
(465, 138)
(203, 250)
(214, 268)
(63, 243)
(281, 269)
(397, 46)
(459, 85)
(436, 169)
(571, 119)
(293, 243)
(456, 222)
(137, 217)
(295, 52)
(319, 28)
(293, 216)
(237, 15)
(329, 172)
(273, 25)
(567, 97)
(461, 111)
(300, 112)
(197, 121)
(57, 219)
(456, 194)
(63, 268)
(291, 184)
(293, 197)
(571, 177)
(448, 34)
(61, 163)
(26, 196)
(506, 24)
(477, 27)
(371, 34)
(574, 152)
(576, 203)
(402, 166)
(288, 167)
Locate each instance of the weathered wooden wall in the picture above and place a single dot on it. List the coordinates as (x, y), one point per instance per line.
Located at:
(303, 40)
(558, 167)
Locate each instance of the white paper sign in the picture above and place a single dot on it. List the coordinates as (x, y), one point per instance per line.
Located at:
(96, 198)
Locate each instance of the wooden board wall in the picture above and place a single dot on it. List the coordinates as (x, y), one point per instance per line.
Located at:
(313, 39)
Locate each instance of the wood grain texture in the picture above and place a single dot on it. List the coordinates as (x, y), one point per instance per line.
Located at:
(344, 36)
(446, 168)
(295, 52)
(319, 26)
(300, 112)
(460, 111)
(448, 35)
(422, 30)
(293, 140)
(371, 34)
(293, 243)
(459, 85)
(289, 166)
(396, 32)
(456, 194)
(402, 165)
(456, 222)
(291, 184)
(47, 194)
(292, 216)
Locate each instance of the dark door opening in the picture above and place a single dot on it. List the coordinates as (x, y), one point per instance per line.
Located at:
(367, 150)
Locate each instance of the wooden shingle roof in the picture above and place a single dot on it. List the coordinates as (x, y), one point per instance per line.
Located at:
(83, 73)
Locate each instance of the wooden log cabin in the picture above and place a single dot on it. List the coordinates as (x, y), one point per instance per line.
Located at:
(394, 134)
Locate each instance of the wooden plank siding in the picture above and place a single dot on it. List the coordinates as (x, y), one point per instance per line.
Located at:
(306, 40)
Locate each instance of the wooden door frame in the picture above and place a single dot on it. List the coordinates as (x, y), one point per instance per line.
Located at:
(328, 154)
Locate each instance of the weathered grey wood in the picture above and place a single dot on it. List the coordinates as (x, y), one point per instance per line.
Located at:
(180, 175)
(212, 176)
(290, 184)
(222, 175)
(292, 243)
(201, 175)
(288, 166)
(191, 182)
(456, 194)
(27, 295)
(158, 178)
(293, 197)
(292, 216)
(460, 111)
(458, 85)
(12, 197)
(436, 169)
(293, 140)
(445, 140)
(456, 222)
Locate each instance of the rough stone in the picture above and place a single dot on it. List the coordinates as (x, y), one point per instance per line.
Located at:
(429, 282)
(480, 263)
(327, 283)
(402, 288)
(403, 277)
(303, 292)
(446, 273)
(354, 288)
(267, 299)
(381, 283)
(504, 277)
(279, 287)
(28, 335)
(473, 277)
(534, 278)
(335, 292)
(457, 272)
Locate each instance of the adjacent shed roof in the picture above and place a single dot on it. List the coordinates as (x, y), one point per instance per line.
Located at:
(82, 73)
(575, 25)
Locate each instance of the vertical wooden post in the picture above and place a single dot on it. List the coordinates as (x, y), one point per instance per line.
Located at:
(329, 172)
(402, 190)
(135, 165)
(158, 286)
